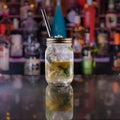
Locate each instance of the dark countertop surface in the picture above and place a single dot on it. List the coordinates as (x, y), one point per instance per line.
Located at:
(87, 98)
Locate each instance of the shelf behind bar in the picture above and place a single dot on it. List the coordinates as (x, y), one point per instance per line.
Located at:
(104, 59)
(18, 16)
(103, 15)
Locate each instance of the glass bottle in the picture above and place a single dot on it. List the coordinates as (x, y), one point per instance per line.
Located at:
(117, 6)
(90, 19)
(103, 6)
(59, 61)
(87, 64)
(1, 11)
(4, 54)
(78, 37)
(23, 10)
(71, 12)
(59, 25)
(32, 58)
(116, 54)
(29, 27)
(87, 35)
(39, 5)
(111, 16)
(59, 103)
(111, 19)
(86, 46)
(49, 10)
(102, 38)
(16, 48)
(6, 25)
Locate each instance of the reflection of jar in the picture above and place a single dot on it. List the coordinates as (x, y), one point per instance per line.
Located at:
(4, 54)
(59, 61)
(32, 60)
(59, 103)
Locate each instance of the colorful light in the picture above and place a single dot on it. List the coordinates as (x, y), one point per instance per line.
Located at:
(5, 6)
(32, 5)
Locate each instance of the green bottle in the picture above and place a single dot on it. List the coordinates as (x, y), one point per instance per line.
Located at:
(87, 64)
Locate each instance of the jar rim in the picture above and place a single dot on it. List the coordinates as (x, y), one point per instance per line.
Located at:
(59, 40)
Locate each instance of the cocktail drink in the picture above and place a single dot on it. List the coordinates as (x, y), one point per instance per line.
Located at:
(59, 72)
(59, 61)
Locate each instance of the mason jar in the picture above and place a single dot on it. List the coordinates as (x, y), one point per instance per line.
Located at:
(59, 102)
(59, 61)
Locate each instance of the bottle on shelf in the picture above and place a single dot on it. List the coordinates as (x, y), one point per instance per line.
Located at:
(23, 10)
(116, 53)
(71, 13)
(103, 7)
(111, 16)
(29, 26)
(102, 40)
(97, 9)
(4, 54)
(81, 4)
(49, 10)
(117, 6)
(5, 29)
(111, 19)
(90, 19)
(6, 25)
(39, 5)
(16, 46)
(87, 63)
(59, 24)
(87, 35)
(32, 57)
(1, 11)
(86, 45)
(78, 36)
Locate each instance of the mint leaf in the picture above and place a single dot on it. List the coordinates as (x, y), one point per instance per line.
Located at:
(70, 48)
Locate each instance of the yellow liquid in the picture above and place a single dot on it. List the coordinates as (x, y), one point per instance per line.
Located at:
(63, 65)
(59, 71)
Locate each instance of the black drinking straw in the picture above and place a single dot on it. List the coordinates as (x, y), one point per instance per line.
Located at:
(46, 22)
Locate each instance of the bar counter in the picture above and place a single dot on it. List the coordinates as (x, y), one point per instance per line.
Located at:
(87, 98)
